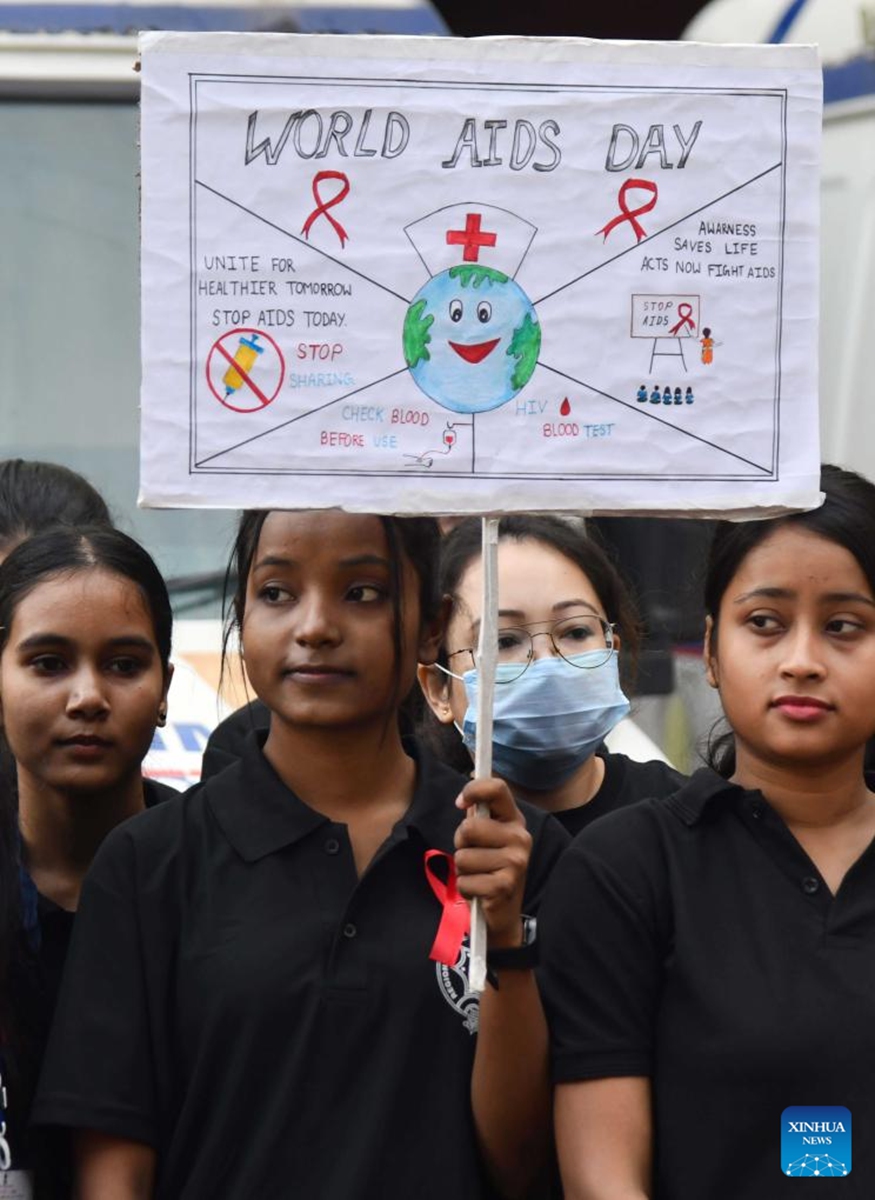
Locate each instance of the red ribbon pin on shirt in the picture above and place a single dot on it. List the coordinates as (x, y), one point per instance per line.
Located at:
(645, 185)
(686, 319)
(456, 917)
(322, 206)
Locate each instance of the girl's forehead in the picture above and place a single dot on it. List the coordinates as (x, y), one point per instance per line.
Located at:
(795, 559)
(530, 574)
(298, 536)
(72, 597)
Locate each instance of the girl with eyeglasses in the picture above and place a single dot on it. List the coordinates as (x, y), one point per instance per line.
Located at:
(564, 616)
(255, 1004)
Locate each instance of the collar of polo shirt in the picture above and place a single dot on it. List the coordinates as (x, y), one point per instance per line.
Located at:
(265, 815)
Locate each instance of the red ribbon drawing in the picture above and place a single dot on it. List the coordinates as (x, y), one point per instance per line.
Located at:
(645, 185)
(686, 318)
(456, 918)
(323, 206)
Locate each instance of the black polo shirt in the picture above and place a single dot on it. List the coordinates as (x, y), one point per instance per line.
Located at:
(227, 741)
(626, 782)
(239, 999)
(56, 923)
(38, 974)
(692, 940)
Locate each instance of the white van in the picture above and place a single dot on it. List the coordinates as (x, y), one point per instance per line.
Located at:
(845, 33)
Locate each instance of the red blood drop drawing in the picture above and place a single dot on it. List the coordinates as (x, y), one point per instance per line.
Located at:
(565, 407)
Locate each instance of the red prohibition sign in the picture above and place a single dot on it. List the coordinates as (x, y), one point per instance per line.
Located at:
(234, 366)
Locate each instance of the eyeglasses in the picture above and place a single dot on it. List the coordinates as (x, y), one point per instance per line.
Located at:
(569, 637)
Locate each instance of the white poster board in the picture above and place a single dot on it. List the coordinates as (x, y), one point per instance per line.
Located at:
(413, 275)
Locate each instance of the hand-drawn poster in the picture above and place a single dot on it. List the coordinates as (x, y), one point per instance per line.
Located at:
(429, 275)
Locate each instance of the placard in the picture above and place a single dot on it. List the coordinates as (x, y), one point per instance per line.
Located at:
(437, 275)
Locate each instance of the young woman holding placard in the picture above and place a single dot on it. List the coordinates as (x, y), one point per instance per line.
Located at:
(250, 1008)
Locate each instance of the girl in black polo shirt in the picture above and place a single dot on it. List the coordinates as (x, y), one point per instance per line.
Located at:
(85, 625)
(250, 1008)
(568, 635)
(709, 960)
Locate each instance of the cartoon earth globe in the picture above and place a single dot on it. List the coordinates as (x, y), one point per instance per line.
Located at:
(471, 338)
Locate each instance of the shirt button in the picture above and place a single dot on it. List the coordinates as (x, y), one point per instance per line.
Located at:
(349, 931)
(332, 846)
(810, 885)
(756, 810)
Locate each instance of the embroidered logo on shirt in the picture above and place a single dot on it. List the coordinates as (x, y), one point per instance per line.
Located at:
(453, 983)
(816, 1141)
(5, 1152)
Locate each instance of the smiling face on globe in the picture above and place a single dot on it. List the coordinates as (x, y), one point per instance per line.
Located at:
(471, 338)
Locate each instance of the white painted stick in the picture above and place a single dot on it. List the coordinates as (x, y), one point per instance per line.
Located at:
(487, 656)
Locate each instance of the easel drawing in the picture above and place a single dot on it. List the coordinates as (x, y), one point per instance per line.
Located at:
(678, 353)
(667, 318)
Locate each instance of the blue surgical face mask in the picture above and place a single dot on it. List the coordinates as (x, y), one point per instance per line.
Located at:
(549, 720)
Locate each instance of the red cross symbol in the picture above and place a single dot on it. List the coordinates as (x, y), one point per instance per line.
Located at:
(471, 238)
